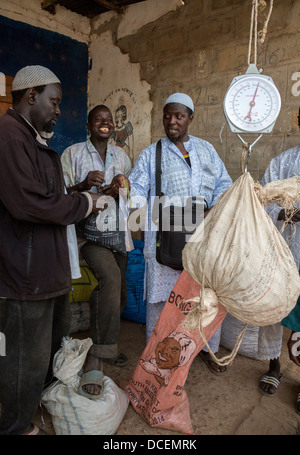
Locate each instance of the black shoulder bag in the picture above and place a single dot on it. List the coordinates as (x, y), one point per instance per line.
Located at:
(173, 227)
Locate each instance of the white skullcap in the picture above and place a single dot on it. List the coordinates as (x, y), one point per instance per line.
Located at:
(181, 98)
(33, 76)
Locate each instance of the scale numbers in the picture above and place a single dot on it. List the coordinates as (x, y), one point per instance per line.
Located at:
(252, 104)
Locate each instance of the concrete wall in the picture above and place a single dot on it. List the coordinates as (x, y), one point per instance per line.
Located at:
(195, 46)
(64, 21)
(199, 46)
(115, 77)
(119, 87)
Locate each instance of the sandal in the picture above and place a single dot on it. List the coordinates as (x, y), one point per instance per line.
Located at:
(120, 360)
(91, 377)
(209, 361)
(35, 431)
(266, 379)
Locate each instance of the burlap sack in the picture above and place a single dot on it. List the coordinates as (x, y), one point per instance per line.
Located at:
(241, 255)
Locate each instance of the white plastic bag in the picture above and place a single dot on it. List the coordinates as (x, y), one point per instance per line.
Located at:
(73, 414)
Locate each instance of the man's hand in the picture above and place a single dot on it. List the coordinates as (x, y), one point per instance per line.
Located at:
(293, 345)
(94, 178)
(296, 217)
(108, 191)
(283, 215)
(119, 181)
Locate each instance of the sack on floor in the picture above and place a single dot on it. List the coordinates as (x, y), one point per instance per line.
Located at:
(243, 258)
(135, 309)
(156, 388)
(259, 343)
(73, 414)
(231, 328)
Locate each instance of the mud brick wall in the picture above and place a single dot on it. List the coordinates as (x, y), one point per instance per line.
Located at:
(199, 48)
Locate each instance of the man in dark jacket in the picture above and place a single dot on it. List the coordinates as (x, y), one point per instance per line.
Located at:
(35, 277)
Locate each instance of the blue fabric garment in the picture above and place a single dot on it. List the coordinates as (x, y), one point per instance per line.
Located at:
(135, 309)
(284, 166)
(292, 321)
(207, 177)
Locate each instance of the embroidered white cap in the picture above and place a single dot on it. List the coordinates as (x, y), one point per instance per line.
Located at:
(181, 98)
(33, 76)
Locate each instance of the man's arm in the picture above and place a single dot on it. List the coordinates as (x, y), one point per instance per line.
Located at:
(222, 178)
(285, 215)
(25, 194)
(94, 178)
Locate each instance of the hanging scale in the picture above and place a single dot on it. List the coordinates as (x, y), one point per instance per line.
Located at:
(251, 105)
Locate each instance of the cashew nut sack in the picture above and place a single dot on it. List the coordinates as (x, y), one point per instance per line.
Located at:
(239, 253)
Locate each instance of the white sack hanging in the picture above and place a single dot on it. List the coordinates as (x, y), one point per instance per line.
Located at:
(242, 257)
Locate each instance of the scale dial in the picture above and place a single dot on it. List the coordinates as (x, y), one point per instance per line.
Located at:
(252, 104)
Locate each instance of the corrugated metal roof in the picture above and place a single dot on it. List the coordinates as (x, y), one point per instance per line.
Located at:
(89, 8)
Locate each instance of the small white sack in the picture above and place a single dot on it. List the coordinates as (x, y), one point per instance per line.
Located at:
(243, 258)
(231, 328)
(73, 414)
(69, 359)
(259, 343)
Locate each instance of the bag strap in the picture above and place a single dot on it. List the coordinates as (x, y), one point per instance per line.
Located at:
(158, 169)
(158, 181)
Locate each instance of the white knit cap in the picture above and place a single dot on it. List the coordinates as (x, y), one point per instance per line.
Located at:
(33, 76)
(181, 98)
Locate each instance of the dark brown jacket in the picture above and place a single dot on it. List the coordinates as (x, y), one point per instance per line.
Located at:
(34, 213)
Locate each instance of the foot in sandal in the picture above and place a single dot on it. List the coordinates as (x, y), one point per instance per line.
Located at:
(91, 381)
(211, 364)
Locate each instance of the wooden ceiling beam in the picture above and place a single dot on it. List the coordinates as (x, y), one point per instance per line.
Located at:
(110, 6)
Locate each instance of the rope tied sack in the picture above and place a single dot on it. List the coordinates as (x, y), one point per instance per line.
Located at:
(243, 259)
(195, 320)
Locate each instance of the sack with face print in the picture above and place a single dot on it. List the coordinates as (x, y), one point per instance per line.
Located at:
(156, 388)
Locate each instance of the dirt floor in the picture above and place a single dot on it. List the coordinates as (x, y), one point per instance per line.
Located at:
(228, 404)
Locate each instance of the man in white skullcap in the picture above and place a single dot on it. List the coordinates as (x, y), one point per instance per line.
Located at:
(35, 277)
(190, 166)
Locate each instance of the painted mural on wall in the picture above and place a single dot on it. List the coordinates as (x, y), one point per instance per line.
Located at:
(123, 105)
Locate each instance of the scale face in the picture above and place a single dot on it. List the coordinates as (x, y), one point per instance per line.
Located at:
(252, 104)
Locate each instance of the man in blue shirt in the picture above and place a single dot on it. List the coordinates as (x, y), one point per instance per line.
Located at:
(190, 167)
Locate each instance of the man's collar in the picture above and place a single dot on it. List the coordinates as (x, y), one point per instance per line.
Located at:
(38, 136)
(90, 146)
